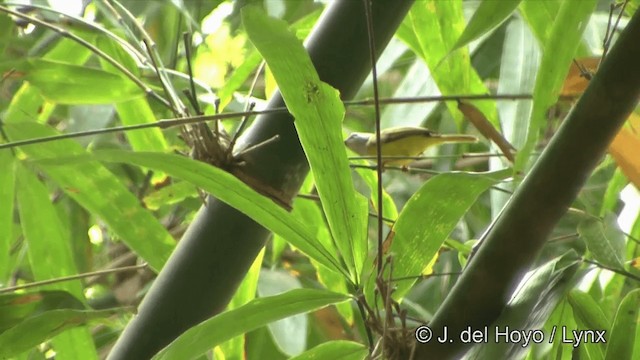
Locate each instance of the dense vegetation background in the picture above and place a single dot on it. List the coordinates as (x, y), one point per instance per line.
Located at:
(105, 167)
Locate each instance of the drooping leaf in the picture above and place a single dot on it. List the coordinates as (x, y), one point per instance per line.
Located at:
(431, 30)
(224, 187)
(289, 334)
(318, 114)
(257, 313)
(558, 51)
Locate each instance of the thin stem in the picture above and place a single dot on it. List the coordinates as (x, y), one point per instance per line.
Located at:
(73, 277)
(162, 124)
(376, 102)
(617, 271)
(168, 123)
(187, 49)
(248, 106)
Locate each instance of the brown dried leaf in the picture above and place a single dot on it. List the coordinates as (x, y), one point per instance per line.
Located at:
(624, 149)
(576, 82)
(480, 122)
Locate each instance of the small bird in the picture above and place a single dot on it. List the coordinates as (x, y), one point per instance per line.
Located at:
(401, 141)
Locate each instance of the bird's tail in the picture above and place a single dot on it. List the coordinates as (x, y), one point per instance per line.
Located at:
(457, 138)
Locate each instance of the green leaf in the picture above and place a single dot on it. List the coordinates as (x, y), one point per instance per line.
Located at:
(66, 83)
(257, 313)
(241, 73)
(587, 310)
(289, 334)
(17, 307)
(431, 29)
(38, 329)
(233, 349)
(170, 195)
(621, 340)
(519, 64)
(98, 190)
(318, 114)
(604, 240)
(237, 78)
(615, 185)
(50, 257)
(559, 50)
(428, 218)
(309, 212)
(538, 15)
(335, 350)
(7, 194)
(389, 209)
(489, 15)
(229, 189)
(589, 316)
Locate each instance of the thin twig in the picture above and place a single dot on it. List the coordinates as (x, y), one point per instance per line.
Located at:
(608, 36)
(73, 277)
(187, 49)
(248, 106)
(422, 277)
(376, 102)
(168, 123)
(617, 271)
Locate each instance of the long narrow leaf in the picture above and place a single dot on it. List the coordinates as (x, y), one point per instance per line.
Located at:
(622, 337)
(257, 313)
(318, 114)
(559, 50)
(50, 255)
(37, 329)
(431, 31)
(227, 188)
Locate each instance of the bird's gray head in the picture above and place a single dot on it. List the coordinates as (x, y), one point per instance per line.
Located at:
(358, 142)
